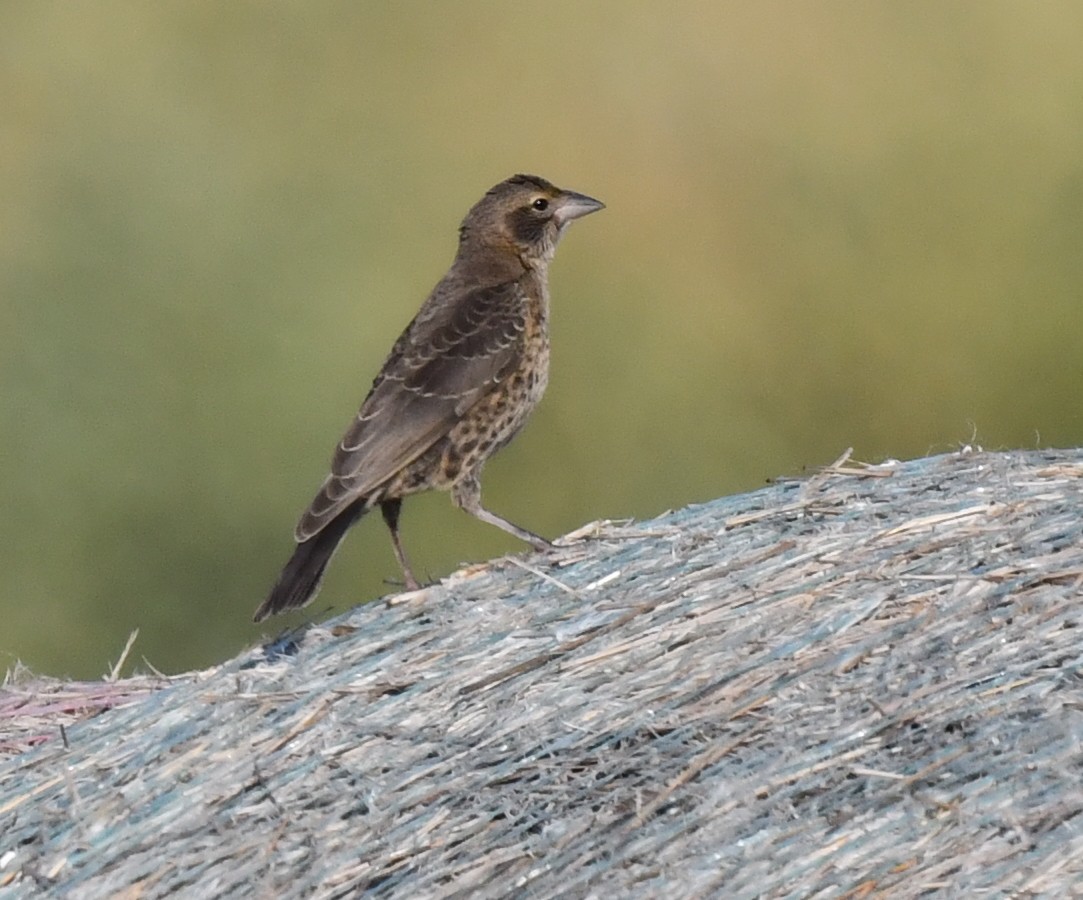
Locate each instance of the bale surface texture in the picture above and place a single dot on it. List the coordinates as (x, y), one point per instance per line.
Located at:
(868, 681)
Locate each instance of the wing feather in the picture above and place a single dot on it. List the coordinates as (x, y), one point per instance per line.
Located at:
(455, 350)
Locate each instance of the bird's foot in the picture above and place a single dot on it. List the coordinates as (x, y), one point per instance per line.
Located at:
(408, 583)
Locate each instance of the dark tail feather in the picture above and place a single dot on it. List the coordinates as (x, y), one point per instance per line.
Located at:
(301, 577)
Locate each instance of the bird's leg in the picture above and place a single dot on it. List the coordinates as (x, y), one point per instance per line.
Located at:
(390, 510)
(467, 496)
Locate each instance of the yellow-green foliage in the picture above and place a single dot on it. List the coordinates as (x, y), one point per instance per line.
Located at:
(828, 225)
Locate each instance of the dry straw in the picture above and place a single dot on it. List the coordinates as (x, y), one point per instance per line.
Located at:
(865, 683)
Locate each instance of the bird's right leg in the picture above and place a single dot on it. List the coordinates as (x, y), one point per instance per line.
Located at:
(467, 496)
(390, 510)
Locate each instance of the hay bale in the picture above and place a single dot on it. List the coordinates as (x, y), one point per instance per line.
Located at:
(868, 681)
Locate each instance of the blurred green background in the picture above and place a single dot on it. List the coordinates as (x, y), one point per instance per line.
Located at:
(831, 224)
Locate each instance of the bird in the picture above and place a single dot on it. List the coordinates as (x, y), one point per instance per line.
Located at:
(458, 384)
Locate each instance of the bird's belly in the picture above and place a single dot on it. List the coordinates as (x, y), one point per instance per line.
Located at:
(497, 416)
(486, 426)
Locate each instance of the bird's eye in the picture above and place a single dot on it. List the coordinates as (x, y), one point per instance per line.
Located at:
(540, 204)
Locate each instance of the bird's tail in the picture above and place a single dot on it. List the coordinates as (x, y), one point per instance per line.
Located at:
(300, 579)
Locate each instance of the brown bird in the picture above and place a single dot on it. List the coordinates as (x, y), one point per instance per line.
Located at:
(459, 383)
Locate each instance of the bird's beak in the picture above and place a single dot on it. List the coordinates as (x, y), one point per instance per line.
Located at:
(575, 206)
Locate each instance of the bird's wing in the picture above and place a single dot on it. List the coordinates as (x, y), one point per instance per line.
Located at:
(449, 356)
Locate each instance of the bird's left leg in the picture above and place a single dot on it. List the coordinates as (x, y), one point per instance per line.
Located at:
(390, 510)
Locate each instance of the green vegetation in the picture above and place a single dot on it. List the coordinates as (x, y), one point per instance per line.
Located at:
(828, 225)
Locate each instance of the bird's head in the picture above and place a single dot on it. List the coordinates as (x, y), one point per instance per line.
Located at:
(526, 215)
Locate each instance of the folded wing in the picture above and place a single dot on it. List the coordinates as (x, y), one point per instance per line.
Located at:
(459, 346)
